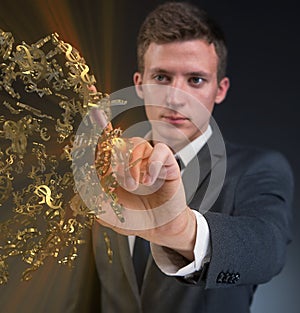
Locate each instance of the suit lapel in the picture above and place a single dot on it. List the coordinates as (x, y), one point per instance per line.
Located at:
(204, 175)
(126, 261)
(121, 258)
(195, 172)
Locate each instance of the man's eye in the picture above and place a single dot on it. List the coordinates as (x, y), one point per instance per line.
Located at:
(196, 80)
(160, 78)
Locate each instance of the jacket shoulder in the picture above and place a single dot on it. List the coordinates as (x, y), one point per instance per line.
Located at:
(246, 157)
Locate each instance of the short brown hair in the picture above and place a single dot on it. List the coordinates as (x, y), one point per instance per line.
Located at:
(180, 21)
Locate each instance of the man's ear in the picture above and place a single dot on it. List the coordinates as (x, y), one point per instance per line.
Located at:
(138, 82)
(223, 87)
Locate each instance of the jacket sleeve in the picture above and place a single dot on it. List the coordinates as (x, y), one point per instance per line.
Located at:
(248, 246)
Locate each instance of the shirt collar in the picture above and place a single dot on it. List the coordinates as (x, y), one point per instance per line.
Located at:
(187, 153)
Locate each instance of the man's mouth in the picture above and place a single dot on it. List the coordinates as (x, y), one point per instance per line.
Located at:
(175, 119)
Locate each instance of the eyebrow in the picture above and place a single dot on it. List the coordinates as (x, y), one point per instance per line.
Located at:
(198, 74)
(159, 70)
(163, 71)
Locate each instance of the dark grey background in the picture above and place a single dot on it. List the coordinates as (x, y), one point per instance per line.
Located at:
(262, 107)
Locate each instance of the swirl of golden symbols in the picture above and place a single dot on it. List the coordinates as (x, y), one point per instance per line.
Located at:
(48, 217)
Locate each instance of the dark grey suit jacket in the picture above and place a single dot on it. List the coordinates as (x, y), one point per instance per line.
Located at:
(250, 227)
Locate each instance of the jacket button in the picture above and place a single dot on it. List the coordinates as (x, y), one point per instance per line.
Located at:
(231, 279)
(220, 278)
(227, 278)
(236, 277)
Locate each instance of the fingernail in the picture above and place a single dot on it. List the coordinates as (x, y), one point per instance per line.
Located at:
(154, 169)
(130, 183)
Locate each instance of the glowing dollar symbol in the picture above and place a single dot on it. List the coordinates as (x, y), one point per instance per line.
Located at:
(24, 61)
(83, 69)
(72, 54)
(86, 78)
(44, 192)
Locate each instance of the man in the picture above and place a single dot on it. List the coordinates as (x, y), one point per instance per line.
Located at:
(210, 255)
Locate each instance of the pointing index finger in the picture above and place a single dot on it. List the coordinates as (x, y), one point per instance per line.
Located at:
(161, 165)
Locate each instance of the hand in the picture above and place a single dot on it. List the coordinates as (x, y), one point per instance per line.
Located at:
(152, 193)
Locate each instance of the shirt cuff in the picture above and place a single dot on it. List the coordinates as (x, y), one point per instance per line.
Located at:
(172, 263)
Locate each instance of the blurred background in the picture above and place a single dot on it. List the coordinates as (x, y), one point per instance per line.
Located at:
(262, 107)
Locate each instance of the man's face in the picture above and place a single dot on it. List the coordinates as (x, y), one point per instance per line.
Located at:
(179, 87)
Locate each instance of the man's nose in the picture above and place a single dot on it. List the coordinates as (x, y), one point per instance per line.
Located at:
(175, 95)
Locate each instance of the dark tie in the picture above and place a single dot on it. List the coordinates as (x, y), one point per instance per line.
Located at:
(141, 252)
(179, 161)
